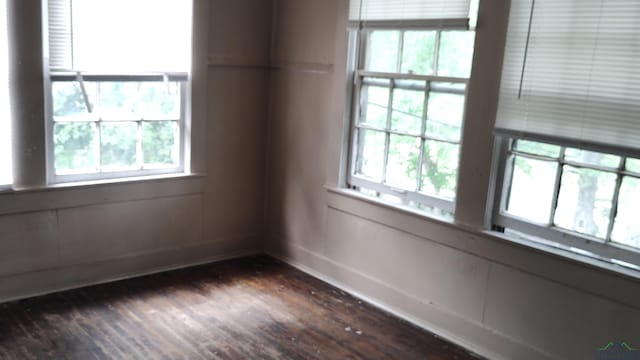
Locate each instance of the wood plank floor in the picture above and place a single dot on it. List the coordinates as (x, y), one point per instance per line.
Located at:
(252, 308)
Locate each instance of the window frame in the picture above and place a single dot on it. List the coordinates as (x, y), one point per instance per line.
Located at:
(550, 234)
(53, 178)
(184, 133)
(357, 73)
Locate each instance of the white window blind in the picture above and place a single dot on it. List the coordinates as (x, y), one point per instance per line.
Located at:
(374, 10)
(571, 72)
(120, 36)
(5, 114)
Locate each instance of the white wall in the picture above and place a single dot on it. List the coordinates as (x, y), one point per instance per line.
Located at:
(59, 238)
(500, 298)
(503, 299)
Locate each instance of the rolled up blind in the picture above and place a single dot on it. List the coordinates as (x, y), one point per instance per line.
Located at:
(373, 10)
(120, 35)
(571, 72)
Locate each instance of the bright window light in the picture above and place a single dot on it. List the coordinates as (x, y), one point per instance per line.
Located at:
(157, 42)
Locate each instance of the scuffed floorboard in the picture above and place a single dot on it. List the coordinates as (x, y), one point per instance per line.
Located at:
(251, 308)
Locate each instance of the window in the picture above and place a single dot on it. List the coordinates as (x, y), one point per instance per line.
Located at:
(409, 102)
(567, 127)
(118, 94)
(5, 115)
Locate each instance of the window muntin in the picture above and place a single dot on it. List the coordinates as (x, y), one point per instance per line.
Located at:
(102, 127)
(582, 198)
(410, 100)
(117, 99)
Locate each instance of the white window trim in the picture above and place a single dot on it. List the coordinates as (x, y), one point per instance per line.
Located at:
(601, 249)
(53, 178)
(358, 40)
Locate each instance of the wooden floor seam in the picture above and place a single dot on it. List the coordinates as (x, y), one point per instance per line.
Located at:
(249, 308)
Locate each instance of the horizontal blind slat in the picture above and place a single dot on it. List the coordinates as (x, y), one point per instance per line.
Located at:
(59, 18)
(362, 10)
(580, 79)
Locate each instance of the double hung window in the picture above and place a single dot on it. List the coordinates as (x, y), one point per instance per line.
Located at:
(410, 73)
(568, 128)
(117, 89)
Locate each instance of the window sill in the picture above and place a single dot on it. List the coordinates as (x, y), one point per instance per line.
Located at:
(86, 193)
(544, 260)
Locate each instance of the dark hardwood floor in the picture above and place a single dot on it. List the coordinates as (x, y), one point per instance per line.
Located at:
(252, 308)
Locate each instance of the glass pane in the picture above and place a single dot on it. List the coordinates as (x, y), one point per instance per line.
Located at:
(537, 148)
(585, 199)
(371, 154)
(440, 169)
(407, 111)
(592, 158)
(119, 100)
(444, 116)
(375, 103)
(627, 227)
(160, 143)
(456, 53)
(531, 174)
(68, 101)
(402, 166)
(633, 165)
(418, 52)
(160, 101)
(119, 145)
(382, 54)
(75, 147)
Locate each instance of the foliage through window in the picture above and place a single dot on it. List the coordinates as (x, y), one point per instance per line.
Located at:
(410, 101)
(117, 98)
(121, 126)
(587, 193)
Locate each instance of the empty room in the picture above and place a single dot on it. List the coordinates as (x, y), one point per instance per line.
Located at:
(320, 179)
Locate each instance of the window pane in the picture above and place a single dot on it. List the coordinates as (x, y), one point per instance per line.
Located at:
(633, 165)
(402, 166)
(119, 100)
(119, 145)
(444, 116)
(160, 101)
(160, 143)
(375, 105)
(371, 154)
(440, 169)
(407, 111)
(537, 148)
(627, 227)
(531, 174)
(75, 147)
(456, 53)
(585, 199)
(68, 100)
(418, 52)
(150, 35)
(592, 158)
(382, 54)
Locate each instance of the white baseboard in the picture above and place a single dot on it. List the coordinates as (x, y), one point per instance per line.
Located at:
(32, 284)
(468, 334)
